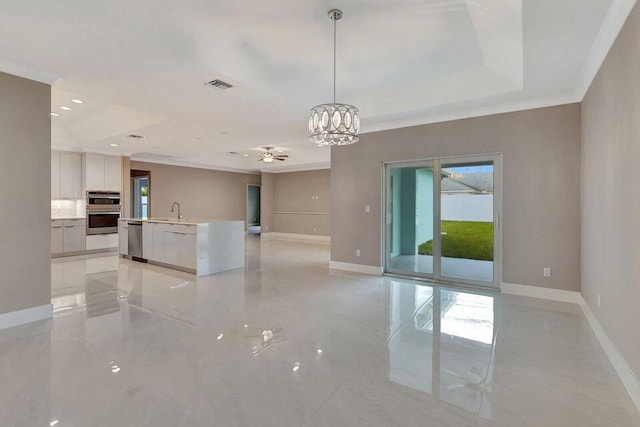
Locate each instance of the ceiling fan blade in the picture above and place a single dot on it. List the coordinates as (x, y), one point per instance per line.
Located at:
(277, 158)
(261, 160)
(282, 155)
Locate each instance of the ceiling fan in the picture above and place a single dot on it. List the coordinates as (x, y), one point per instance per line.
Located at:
(269, 157)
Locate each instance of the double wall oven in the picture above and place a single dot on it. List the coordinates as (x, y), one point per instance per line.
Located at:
(103, 212)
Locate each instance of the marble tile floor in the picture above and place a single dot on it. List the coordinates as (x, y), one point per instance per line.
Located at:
(286, 342)
(459, 268)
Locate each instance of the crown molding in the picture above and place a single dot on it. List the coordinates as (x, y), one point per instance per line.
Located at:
(611, 26)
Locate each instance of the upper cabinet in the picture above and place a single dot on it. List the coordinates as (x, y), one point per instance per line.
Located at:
(112, 173)
(102, 173)
(66, 175)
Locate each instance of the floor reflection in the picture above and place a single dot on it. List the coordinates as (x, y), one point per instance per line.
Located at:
(441, 342)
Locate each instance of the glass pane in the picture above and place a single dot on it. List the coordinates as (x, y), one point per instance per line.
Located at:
(466, 213)
(141, 197)
(411, 208)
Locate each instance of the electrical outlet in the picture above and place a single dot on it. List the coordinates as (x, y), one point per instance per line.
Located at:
(357, 252)
(367, 208)
(547, 272)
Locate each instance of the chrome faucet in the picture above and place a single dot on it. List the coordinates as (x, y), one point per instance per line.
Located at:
(173, 205)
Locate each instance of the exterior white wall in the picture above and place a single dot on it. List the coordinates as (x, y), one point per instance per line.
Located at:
(467, 207)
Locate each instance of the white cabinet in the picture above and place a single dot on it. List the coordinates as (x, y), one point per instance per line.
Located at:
(68, 236)
(173, 244)
(74, 236)
(112, 173)
(57, 245)
(70, 175)
(102, 241)
(123, 238)
(147, 240)
(171, 248)
(55, 175)
(94, 172)
(102, 173)
(66, 175)
(158, 242)
(188, 251)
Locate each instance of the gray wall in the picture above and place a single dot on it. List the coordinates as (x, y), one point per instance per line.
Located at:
(611, 193)
(541, 167)
(302, 202)
(202, 193)
(25, 217)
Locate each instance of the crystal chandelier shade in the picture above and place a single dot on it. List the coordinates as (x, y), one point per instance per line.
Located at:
(334, 124)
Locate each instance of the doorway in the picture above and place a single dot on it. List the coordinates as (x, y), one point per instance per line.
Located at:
(442, 219)
(140, 194)
(253, 209)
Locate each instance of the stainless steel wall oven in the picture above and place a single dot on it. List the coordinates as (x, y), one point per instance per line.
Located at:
(103, 212)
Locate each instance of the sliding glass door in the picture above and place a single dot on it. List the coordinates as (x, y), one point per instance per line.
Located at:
(442, 219)
(411, 217)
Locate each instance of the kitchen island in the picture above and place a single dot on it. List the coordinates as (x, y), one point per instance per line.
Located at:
(197, 246)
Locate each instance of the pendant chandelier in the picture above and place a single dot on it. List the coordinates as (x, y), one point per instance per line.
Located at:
(334, 124)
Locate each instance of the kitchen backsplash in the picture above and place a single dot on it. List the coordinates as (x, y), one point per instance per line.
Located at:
(67, 209)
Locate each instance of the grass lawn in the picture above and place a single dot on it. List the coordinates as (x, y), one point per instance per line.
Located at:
(464, 239)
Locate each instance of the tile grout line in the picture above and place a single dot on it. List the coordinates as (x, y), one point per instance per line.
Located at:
(306, 420)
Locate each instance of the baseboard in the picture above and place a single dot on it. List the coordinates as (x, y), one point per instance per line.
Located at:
(619, 363)
(293, 237)
(28, 315)
(626, 375)
(356, 268)
(542, 293)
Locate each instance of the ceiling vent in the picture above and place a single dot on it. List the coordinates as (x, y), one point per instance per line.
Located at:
(219, 84)
(135, 136)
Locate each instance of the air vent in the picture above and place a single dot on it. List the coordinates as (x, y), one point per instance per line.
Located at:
(233, 152)
(135, 136)
(150, 156)
(219, 84)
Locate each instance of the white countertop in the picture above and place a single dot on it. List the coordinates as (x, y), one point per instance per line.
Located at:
(68, 217)
(183, 221)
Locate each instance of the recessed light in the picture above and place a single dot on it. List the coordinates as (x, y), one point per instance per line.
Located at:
(220, 336)
(65, 108)
(113, 145)
(77, 101)
(54, 114)
(245, 155)
(54, 422)
(319, 351)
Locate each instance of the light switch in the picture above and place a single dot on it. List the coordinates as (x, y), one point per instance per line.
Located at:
(367, 208)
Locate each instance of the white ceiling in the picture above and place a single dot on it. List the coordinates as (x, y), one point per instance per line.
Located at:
(140, 66)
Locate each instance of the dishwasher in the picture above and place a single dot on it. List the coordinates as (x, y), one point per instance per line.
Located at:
(135, 240)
